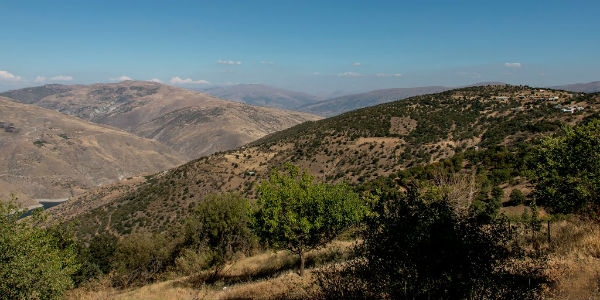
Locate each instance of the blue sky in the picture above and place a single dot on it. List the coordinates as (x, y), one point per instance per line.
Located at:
(319, 47)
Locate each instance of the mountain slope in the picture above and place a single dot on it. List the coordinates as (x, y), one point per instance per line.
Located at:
(48, 155)
(262, 95)
(338, 105)
(357, 146)
(190, 122)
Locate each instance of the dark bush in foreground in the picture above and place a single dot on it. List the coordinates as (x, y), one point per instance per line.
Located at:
(419, 246)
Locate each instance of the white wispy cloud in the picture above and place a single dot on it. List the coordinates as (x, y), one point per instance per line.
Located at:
(62, 78)
(5, 75)
(179, 80)
(356, 64)
(121, 78)
(54, 78)
(512, 65)
(388, 75)
(348, 74)
(316, 73)
(264, 62)
(229, 62)
(155, 80)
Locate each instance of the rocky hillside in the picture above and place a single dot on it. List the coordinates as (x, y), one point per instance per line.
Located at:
(49, 155)
(355, 147)
(192, 123)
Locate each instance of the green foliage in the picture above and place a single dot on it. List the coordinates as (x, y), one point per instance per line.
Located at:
(220, 224)
(297, 214)
(516, 197)
(142, 258)
(35, 263)
(96, 259)
(566, 169)
(416, 246)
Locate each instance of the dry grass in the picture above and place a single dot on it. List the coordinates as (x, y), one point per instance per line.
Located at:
(572, 265)
(268, 275)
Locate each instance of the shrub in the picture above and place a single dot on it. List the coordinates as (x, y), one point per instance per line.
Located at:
(219, 227)
(36, 263)
(418, 246)
(141, 258)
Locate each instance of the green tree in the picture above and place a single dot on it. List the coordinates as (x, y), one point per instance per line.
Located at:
(298, 214)
(221, 224)
(96, 258)
(141, 258)
(565, 168)
(35, 263)
(516, 197)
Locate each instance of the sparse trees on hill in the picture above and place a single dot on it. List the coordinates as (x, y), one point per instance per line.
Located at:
(298, 214)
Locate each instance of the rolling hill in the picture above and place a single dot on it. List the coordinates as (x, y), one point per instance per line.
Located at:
(355, 147)
(48, 155)
(192, 123)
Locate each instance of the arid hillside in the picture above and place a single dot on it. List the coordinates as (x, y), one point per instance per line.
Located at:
(49, 155)
(190, 122)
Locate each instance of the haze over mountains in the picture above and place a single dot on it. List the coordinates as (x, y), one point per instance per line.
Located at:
(262, 95)
(338, 105)
(590, 87)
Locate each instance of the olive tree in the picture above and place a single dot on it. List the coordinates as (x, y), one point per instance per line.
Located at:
(298, 214)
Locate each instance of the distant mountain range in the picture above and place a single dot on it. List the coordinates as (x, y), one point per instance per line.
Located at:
(192, 123)
(262, 95)
(338, 105)
(590, 87)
